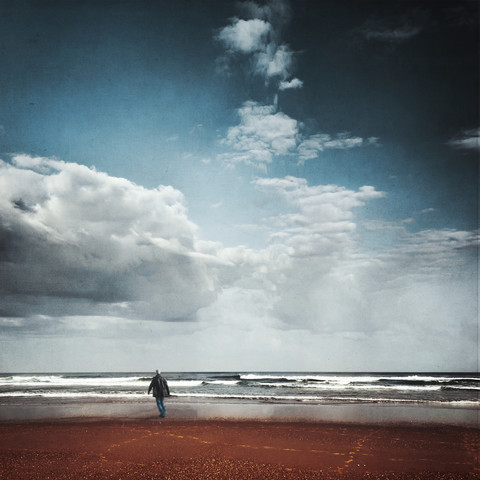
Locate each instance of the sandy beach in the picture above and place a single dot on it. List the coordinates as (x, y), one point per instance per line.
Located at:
(70, 439)
(154, 448)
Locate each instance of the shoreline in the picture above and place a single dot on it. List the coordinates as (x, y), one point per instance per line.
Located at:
(179, 408)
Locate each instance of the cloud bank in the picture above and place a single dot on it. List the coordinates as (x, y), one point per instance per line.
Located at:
(77, 242)
(89, 241)
(86, 252)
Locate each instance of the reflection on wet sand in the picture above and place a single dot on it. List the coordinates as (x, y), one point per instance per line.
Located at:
(38, 409)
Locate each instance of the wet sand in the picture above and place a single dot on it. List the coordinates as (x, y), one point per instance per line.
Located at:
(154, 448)
(33, 409)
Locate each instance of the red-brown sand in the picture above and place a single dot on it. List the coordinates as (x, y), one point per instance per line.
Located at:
(180, 449)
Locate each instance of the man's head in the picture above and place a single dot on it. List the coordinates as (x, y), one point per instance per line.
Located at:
(157, 372)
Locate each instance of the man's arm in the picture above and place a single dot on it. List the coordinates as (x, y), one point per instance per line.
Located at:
(166, 387)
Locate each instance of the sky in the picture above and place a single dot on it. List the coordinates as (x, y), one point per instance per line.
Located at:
(239, 185)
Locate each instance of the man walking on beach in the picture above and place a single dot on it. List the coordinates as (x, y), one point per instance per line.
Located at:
(160, 391)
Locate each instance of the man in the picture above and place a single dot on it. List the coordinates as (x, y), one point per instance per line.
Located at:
(160, 391)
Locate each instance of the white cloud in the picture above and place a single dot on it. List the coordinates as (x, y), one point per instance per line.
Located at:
(306, 265)
(321, 279)
(264, 133)
(294, 83)
(321, 213)
(311, 146)
(89, 241)
(434, 251)
(467, 140)
(394, 35)
(245, 36)
(274, 61)
(258, 37)
(86, 255)
(427, 210)
(396, 29)
(261, 134)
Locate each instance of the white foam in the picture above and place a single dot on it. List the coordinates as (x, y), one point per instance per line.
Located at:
(185, 383)
(223, 382)
(55, 380)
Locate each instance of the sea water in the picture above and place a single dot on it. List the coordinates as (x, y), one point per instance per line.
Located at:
(456, 390)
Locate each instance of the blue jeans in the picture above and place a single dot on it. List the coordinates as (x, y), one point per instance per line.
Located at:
(161, 406)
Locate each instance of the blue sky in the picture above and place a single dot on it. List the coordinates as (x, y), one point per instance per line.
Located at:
(260, 185)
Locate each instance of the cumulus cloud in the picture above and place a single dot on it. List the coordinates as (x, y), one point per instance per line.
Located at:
(274, 61)
(258, 36)
(467, 140)
(321, 277)
(264, 133)
(245, 36)
(320, 216)
(96, 256)
(79, 241)
(312, 243)
(261, 134)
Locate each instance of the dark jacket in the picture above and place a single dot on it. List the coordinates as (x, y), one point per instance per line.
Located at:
(159, 386)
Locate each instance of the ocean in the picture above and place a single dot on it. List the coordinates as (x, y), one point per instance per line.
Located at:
(435, 389)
